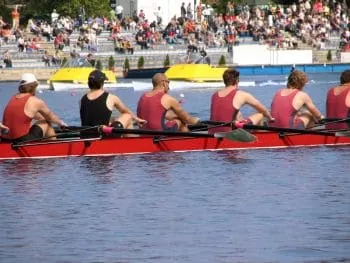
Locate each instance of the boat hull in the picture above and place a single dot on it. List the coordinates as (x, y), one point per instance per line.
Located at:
(142, 145)
(195, 73)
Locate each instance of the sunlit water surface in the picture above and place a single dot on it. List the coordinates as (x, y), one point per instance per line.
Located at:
(289, 205)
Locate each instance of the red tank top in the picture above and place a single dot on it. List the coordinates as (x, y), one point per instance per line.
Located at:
(282, 109)
(222, 110)
(152, 110)
(15, 118)
(336, 108)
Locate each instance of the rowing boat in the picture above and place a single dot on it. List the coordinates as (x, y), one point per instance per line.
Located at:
(110, 146)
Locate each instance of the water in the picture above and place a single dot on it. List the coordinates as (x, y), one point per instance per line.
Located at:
(286, 205)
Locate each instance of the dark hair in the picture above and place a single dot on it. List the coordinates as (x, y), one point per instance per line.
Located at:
(96, 79)
(345, 77)
(231, 77)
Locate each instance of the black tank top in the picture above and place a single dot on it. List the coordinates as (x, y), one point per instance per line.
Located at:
(94, 112)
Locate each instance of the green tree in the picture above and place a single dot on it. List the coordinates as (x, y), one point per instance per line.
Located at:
(64, 61)
(222, 61)
(111, 63)
(126, 65)
(5, 12)
(72, 8)
(166, 62)
(329, 55)
(141, 62)
(99, 65)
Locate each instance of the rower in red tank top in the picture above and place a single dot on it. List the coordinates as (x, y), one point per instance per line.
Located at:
(162, 111)
(26, 116)
(227, 102)
(293, 108)
(338, 102)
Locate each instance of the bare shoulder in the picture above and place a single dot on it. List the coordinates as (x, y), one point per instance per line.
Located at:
(113, 97)
(36, 101)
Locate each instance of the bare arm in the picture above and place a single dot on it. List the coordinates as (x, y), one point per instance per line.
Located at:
(311, 107)
(3, 127)
(47, 113)
(181, 113)
(122, 108)
(257, 105)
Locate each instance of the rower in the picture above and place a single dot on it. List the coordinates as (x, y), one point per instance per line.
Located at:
(97, 105)
(162, 111)
(338, 102)
(26, 116)
(291, 107)
(227, 102)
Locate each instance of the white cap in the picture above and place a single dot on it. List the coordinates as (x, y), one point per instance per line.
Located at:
(28, 78)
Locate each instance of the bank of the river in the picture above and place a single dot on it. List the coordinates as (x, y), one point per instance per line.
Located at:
(42, 74)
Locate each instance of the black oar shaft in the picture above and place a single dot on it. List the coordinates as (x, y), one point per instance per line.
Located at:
(109, 130)
(283, 130)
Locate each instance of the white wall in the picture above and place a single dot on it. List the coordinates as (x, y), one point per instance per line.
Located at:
(345, 57)
(262, 55)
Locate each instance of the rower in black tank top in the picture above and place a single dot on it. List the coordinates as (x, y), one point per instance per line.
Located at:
(95, 112)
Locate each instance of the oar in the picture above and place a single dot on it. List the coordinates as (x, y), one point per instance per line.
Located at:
(239, 135)
(343, 134)
(334, 120)
(205, 125)
(326, 121)
(281, 130)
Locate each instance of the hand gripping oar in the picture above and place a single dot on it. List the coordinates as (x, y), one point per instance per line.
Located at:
(282, 130)
(238, 135)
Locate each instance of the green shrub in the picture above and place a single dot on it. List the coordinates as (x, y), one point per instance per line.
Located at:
(99, 64)
(141, 62)
(166, 62)
(126, 65)
(222, 61)
(64, 61)
(111, 62)
(329, 55)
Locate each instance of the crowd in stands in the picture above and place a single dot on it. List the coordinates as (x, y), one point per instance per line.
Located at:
(275, 25)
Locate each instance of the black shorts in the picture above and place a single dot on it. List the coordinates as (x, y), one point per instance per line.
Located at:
(35, 132)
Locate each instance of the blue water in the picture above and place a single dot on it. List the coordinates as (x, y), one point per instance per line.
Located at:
(286, 205)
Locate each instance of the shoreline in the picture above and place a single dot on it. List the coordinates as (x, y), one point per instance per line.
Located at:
(42, 74)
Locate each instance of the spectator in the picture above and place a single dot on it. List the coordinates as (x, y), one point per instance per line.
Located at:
(46, 59)
(158, 15)
(15, 18)
(189, 11)
(20, 44)
(54, 16)
(7, 59)
(59, 42)
(90, 59)
(183, 10)
(119, 12)
(56, 58)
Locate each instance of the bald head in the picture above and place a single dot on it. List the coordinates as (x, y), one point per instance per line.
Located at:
(157, 80)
